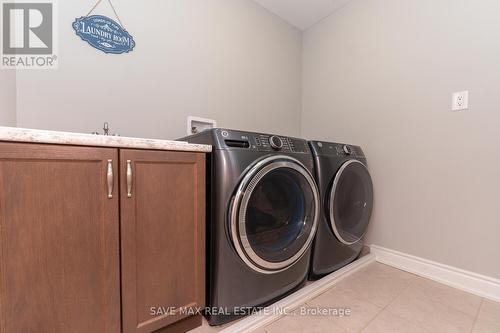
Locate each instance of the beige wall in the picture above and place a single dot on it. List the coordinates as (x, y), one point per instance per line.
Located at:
(230, 60)
(380, 73)
(7, 98)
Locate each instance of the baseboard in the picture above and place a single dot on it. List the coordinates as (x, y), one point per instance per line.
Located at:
(473, 283)
(298, 298)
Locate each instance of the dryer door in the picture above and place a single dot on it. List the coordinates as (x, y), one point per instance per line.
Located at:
(351, 202)
(274, 214)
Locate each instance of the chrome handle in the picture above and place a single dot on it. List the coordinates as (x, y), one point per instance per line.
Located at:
(110, 179)
(129, 178)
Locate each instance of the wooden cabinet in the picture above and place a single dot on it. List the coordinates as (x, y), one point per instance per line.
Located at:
(163, 237)
(63, 210)
(59, 238)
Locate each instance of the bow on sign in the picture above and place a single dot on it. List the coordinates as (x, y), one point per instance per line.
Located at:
(103, 33)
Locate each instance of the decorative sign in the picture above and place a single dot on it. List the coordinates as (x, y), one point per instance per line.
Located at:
(104, 34)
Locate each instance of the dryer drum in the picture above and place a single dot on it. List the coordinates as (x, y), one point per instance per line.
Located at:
(274, 214)
(351, 202)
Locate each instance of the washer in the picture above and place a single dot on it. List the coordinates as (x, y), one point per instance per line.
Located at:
(346, 191)
(262, 217)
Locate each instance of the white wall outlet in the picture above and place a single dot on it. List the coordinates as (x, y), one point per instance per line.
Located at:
(197, 124)
(460, 101)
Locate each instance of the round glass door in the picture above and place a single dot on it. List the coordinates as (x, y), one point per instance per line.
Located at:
(274, 214)
(351, 202)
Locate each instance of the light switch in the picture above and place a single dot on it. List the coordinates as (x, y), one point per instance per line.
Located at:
(460, 101)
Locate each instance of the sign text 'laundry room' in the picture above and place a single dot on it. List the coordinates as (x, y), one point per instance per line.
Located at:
(104, 34)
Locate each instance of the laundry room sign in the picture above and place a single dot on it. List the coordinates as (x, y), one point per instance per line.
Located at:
(103, 33)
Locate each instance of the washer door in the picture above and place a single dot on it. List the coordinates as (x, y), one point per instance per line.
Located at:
(274, 214)
(351, 202)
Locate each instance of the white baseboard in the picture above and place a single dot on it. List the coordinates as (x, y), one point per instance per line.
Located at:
(298, 298)
(473, 283)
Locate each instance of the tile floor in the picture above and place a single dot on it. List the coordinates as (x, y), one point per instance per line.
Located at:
(385, 299)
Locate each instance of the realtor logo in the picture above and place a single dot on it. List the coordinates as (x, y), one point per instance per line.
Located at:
(28, 34)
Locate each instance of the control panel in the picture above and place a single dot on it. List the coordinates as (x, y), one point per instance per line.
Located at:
(337, 149)
(262, 142)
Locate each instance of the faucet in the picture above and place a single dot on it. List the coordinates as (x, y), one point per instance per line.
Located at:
(106, 130)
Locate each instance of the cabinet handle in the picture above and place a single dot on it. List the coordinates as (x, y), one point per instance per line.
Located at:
(129, 178)
(110, 179)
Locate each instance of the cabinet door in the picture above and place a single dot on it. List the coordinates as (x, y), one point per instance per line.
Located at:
(59, 239)
(163, 237)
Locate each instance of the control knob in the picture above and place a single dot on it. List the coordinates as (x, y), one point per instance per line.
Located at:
(347, 150)
(276, 142)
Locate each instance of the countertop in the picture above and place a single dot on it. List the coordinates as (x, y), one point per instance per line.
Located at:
(14, 134)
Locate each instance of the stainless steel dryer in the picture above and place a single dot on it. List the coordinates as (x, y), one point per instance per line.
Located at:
(262, 217)
(346, 192)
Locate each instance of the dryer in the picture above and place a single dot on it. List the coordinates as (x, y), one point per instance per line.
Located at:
(346, 192)
(262, 216)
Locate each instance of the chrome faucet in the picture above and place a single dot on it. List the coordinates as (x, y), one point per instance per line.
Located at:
(106, 131)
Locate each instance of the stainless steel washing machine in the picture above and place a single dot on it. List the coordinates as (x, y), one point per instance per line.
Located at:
(346, 192)
(262, 216)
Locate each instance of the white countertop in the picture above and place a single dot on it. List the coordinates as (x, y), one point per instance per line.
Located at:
(13, 134)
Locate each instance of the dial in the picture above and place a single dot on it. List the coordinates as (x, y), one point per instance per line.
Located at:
(276, 142)
(347, 150)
